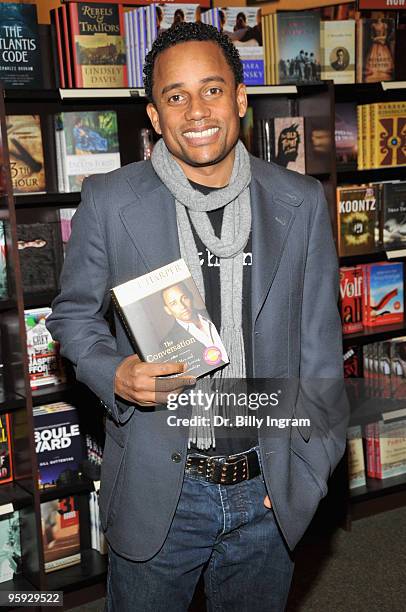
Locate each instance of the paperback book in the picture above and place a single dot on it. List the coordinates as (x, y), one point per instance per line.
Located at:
(26, 153)
(40, 253)
(337, 40)
(346, 135)
(351, 299)
(383, 294)
(58, 444)
(290, 143)
(166, 320)
(20, 53)
(357, 219)
(6, 457)
(60, 533)
(394, 215)
(10, 546)
(356, 466)
(375, 50)
(44, 363)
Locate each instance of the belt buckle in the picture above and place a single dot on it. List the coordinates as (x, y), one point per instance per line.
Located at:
(235, 463)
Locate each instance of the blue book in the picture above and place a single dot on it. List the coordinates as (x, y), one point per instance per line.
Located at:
(20, 53)
(297, 38)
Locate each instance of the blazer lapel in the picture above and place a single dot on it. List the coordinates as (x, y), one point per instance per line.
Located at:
(150, 221)
(271, 223)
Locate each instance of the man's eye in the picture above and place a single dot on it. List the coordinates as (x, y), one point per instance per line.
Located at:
(176, 98)
(213, 91)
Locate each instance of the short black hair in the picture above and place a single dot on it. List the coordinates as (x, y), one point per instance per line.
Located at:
(187, 32)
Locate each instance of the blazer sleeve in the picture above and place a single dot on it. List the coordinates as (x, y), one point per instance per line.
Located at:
(322, 394)
(77, 320)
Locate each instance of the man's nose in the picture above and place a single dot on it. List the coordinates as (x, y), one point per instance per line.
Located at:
(197, 109)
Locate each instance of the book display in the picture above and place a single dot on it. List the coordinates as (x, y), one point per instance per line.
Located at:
(333, 110)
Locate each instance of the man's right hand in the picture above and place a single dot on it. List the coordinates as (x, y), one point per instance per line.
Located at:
(136, 381)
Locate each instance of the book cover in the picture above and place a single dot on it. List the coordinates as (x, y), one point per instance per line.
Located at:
(66, 216)
(351, 299)
(397, 353)
(44, 363)
(89, 145)
(297, 45)
(356, 466)
(3, 263)
(289, 142)
(394, 215)
(391, 448)
(98, 46)
(375, 50)
(166, 319)
(172, 14)
(40, 252)
(58, 444)
(20, 53)
(353, 362)
(388, 134)
(338, 51)
(357, 219)
(10, 546)
(26, 153)
(57, 51)
(385, 286)
(60, 533)
(369, 437)
(6, 457)
(346, 133)
(243, 25)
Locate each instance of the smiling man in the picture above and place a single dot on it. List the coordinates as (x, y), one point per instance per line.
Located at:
(176, 505)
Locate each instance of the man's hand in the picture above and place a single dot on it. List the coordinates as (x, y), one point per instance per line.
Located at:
(267, 502)
(136, 381)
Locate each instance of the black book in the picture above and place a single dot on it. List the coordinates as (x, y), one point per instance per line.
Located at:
(41, 256)
(394, 215)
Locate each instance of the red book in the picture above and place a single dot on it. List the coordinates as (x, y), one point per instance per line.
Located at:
(58, 37)
(351, 299)
(370, 440)
(6, 461)
(66, 41)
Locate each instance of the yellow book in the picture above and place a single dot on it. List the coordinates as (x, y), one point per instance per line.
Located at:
(26, 153)
(388, 134)
(267, 50)
(359, 137)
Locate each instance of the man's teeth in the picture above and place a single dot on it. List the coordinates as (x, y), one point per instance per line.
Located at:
(203, 134)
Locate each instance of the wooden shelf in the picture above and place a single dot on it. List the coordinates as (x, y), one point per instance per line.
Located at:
(375, 334)
(372, 410)
(47, 199)
(82, 485)
(351, 260)
(377, 488)
(51, 393)
(13, 493)
(369, 176)
(91, 570)
(7, 304)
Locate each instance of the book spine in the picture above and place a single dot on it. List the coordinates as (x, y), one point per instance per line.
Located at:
(61, 183)
(57, 48)
(374, 136)
(93, 527)
(74, 29)
(275, 48)
(359, 50)
(377, 451)
(122, 34)
(125, 323)
(6, 473)
(360, 156)
(68, 43)
(369, 437)
(64, 164)
(127, 39)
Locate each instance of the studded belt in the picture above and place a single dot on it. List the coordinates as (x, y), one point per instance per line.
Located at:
(224, 470)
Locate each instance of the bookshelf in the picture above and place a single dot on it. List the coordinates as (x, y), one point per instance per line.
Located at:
(85, 582)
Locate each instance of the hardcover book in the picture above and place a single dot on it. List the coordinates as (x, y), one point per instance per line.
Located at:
(172, 14)
(60, 533)
(289, 142)
(10, 546)
(98, 46)
(166, 320)
(356, 467)
(6, 457)
(394, 215)
(40, 252)
(88, 144)
(3, 263)
(387, 134)
(390, 448)
(20, 53)
(383, 294)
(357, 217)
(26, 153)
(297, 47)
(351, 299)
(346, 133)
(375, 50)
(44, 363)
(58, 444)
(337, 40)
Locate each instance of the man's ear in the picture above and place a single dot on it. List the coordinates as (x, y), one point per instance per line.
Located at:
(242, 101)
(154, 117)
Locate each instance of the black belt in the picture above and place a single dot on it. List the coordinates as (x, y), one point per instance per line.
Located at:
(227, 470)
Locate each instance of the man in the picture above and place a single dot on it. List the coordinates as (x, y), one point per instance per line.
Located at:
(178, 303)
(174, 506)
(340, 62)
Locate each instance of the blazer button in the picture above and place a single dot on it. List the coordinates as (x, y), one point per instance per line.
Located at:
(176, 457)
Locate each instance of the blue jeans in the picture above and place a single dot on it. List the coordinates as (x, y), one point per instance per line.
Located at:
(225, 532)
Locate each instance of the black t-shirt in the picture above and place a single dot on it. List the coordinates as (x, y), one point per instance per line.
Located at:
(228, 441)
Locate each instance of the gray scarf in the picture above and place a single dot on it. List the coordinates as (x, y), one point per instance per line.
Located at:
(235, 231)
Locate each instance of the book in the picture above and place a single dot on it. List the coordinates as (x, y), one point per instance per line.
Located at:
(27, 167)
(6, 456)
(60, 533)
(346, 135)
(172, 14)
(289, 142)
(166, 319)
(383, 294)
(20, 53)
(387, 146)
(375, 50)
(353, 359)
(40, 253)
(88, 144)
(97, 45)
(351, 292)
(337, 41)
(58, 444)
(390, 447)
(66, 216)
(10, 546)
(394, 215)
(356, 467)
(3, 263)
(297, 47)
(44, 363)
(357, 219)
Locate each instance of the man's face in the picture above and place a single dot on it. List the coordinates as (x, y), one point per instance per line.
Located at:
(289, 144)
(340, 56)
(178, 303)
(197, 106)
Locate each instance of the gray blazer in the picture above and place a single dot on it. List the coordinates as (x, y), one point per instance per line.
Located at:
(126, 226)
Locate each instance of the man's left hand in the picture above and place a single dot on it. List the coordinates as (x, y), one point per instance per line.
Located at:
(267, 502)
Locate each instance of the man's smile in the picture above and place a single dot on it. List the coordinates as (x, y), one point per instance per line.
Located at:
(199, 135)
